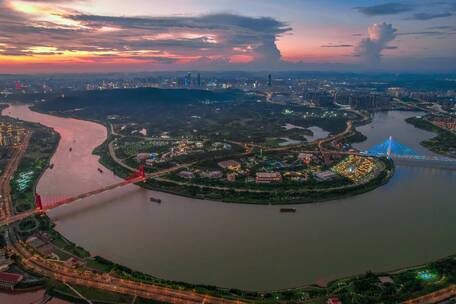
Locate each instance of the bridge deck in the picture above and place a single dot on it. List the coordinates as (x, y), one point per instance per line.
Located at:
(94, 192)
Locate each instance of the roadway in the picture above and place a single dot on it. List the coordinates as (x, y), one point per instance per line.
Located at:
(7, 212)
(37, 264)
(434, 297)
(108, 282)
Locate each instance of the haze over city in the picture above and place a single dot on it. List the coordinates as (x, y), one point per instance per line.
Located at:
(94, 35)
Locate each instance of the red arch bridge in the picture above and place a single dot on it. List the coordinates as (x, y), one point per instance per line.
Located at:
(44, 205)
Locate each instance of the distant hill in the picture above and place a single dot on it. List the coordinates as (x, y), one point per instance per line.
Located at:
(141, 96)
(99, 104)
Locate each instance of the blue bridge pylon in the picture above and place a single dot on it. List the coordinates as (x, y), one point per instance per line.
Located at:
(391, 147)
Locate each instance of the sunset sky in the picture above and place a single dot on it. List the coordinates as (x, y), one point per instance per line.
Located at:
(147, 35)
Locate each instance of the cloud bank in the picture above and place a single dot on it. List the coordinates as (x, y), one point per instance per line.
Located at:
(44, 28)
(390, 8)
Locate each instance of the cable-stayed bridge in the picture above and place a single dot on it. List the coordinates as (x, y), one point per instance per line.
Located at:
(402, 153)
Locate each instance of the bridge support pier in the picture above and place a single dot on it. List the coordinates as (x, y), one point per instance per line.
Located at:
(38, 202)
(141, 171)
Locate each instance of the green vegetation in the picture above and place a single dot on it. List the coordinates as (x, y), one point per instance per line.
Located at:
(356, 137)
(36, 160)
(220, 115)
(403, 285)
(5, 154)
(445, 141)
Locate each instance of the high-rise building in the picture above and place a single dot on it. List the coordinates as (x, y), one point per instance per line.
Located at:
(269, 80)
(198, 80)
(188, 80)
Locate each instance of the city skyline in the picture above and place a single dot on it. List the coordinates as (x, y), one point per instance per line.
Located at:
(101, 36)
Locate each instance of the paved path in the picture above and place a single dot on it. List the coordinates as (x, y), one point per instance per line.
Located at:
(434, 297)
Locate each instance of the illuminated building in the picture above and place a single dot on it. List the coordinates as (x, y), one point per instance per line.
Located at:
(186, 174)
(231, 177)
(230, 165)
(268, 177)
(10, 135)
(9, 280)
(334, 300)
(305, 157)
(325, 176)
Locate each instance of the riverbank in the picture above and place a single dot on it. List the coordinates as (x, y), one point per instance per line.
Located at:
(443, 143)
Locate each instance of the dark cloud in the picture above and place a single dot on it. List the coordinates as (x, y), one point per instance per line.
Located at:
(390, 8)
(429, 16)
(422, 33)
(336, 45)
(442, 27)
(438, 31)
(254, 35)
(180, 37)
(155, 59)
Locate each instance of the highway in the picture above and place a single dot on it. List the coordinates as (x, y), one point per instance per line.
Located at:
(11, 167)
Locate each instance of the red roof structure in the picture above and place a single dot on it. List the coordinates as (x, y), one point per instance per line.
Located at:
(9, 280)
(10, 277)
(334, 300)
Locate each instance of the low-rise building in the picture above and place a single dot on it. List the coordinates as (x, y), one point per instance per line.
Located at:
(213, 174)
(249, 179)
(268, 177)
(230, 165)
(305, 157)
(186, 174)
(150, 162)
(325, 176)
(4, 262)
(9, 280)
(385, 280)
(231, 177)
(142, 156)
(11, 135)
(334, 300)
(46, 250)
(73, 262)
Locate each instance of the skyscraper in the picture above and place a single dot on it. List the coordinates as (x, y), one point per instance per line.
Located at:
(269, 80)
(198, 80)
(188, 80)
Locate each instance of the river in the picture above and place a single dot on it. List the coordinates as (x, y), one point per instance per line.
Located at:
(408, 221)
